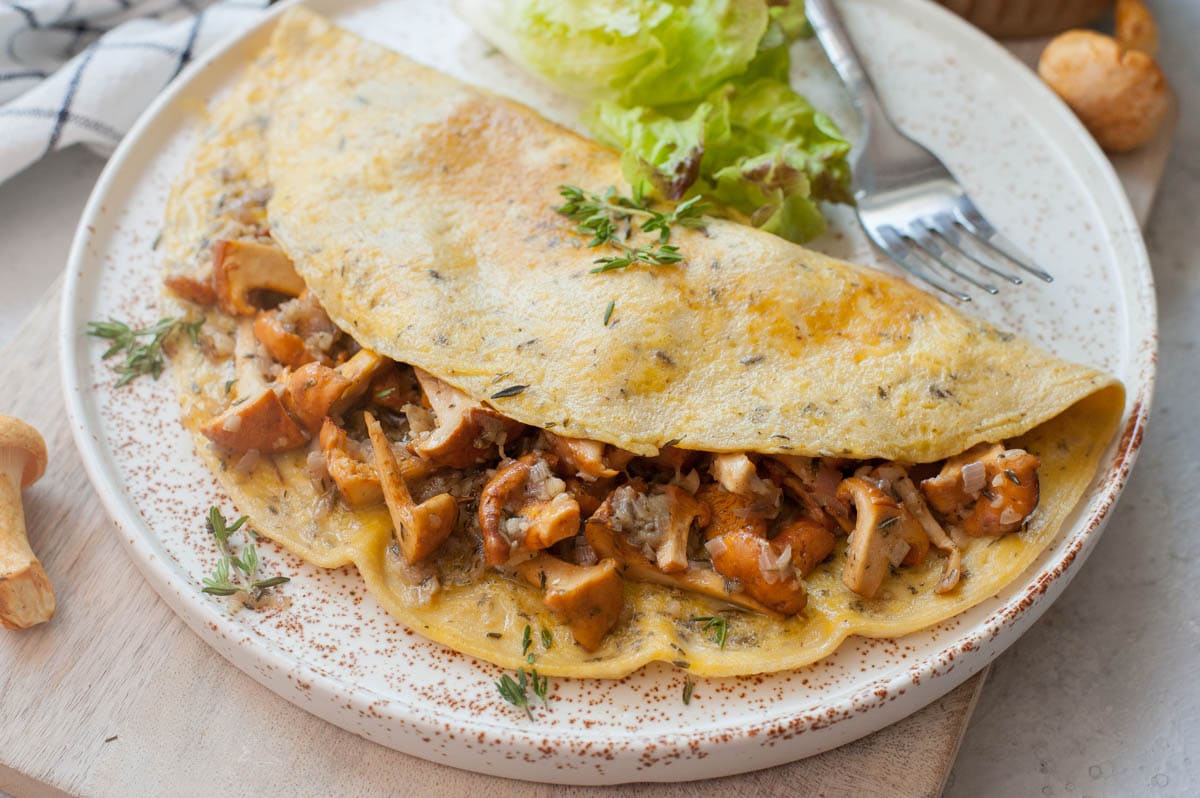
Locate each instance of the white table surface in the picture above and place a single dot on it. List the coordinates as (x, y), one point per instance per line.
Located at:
(1101, 697)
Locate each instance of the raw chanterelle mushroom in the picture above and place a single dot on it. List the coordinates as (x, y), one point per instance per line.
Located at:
(885, 535)
(26, 596)
(420, 528)
(243, 268)
(467, 433)
(588, 598)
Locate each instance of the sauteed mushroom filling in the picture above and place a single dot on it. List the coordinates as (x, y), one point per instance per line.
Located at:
(574, 518)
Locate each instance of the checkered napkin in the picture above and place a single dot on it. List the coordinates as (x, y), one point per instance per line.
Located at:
(80, 71)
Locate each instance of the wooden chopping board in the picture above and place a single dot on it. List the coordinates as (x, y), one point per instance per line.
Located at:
(116, 697)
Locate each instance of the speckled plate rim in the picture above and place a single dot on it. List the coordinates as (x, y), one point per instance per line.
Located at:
(877, 704)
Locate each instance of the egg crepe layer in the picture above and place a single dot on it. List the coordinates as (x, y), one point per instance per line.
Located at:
(419, 211)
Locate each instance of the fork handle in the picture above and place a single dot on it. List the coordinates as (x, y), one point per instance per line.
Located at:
(831, 32)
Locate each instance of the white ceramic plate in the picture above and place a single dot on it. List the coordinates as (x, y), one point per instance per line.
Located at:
(335, 653)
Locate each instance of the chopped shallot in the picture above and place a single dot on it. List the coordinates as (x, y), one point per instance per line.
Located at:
(974, 476)
(716, 547)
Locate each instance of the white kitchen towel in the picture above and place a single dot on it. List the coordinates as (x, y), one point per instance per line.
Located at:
(80, 71)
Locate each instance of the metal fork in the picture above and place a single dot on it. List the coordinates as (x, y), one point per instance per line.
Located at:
(909, 203)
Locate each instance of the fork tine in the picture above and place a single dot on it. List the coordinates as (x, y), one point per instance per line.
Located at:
(976, 225)
(892, 244)
(928, 247)
(944, 228)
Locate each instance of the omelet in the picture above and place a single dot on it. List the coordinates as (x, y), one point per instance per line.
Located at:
(761, 397)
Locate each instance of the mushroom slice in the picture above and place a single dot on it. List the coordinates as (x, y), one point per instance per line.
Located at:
(525, 506)
(282, 345)
(357, 481)
(817, 482)
(258, 420)
(241, 268)
(315, 391)
(671, 552)
(739, 550)
(736, 473)
(420, 528)
(603, 536)
(584, 457)
(260, 424)
(810, 541)
(911, 497)
(587, 598)
(987, 491)
(467, 433)
(193, 289)
(885, 535)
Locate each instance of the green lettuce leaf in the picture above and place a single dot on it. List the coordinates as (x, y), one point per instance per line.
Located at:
(758, 148)
(635, 52)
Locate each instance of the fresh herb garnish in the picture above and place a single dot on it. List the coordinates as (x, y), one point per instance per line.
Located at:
(385, 393)
(547, 639)
(526, 639)
(718, 623)
(140, 358)
(226, 579)
(541, 685)
(608, 311)
(688, 687)
(608, 219)
(514, 691)
(885, 523)
(511, 390)
(1012, 476)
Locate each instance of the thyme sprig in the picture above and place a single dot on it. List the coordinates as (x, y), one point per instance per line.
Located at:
(516, 691)
(609, 219)
(236, 573)
(141, 356)
(688, 687)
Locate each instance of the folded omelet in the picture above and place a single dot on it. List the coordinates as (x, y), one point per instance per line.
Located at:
(419, 216)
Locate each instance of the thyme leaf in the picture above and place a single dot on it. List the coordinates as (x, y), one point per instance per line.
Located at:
(526, 639)
(511, 390)
(141, 356)
(688, 687)
(718, 623)
(608, 311)
(547, 639)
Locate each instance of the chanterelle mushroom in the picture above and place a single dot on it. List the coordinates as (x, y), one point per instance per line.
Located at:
(357, 481)
(885, 535)
(607, 533)
(739, 550)
(243, 268)
(987, 490)
(584, 457)
(26, 596)
(736, 473)
(420, 528)
(315, 391)
(588, 598)
(258, 420)
(467, 433)
(524, 506)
